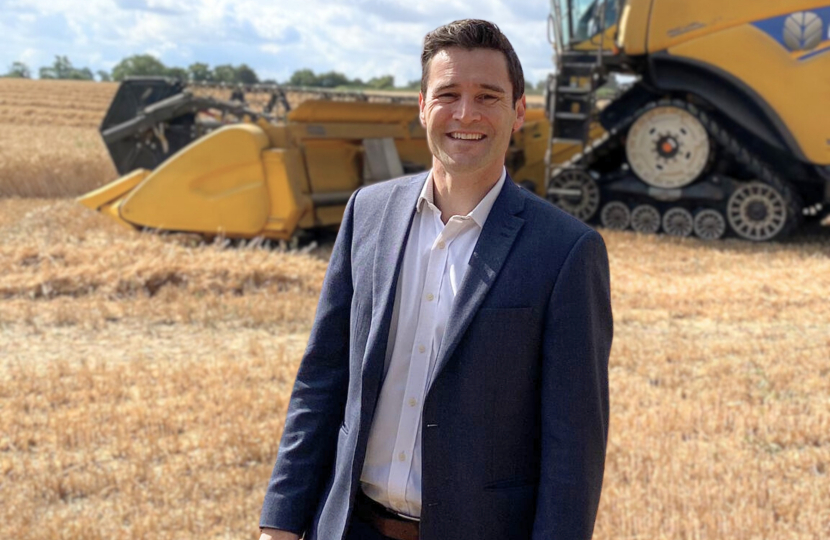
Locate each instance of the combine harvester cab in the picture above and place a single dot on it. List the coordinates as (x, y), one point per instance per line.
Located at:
(255, 176)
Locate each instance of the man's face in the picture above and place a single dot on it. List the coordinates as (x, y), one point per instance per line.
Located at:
(468, 109)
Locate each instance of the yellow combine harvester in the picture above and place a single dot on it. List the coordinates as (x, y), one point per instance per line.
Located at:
(264, 174)
(726, 131)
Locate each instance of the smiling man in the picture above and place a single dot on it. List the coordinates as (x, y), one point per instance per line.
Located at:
(455, 383)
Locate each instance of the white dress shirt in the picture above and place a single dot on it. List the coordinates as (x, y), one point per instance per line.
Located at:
(434, 263)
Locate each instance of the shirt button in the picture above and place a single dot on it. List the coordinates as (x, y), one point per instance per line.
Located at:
(402, 456)
(413, 402)
(441, 245)
(421, 348)
(430, 297)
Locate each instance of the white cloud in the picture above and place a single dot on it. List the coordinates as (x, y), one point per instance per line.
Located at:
(28, 55)
(362, 38)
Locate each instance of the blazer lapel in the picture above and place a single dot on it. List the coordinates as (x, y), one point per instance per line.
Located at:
(491, 250)
(392, 234)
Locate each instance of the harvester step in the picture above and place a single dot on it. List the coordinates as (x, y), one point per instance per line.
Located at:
(573, 90)
(577, 69)
(569, 57)
(571, 116)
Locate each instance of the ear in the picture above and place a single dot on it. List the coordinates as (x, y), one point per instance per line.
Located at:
(521, 107)
(421, 113)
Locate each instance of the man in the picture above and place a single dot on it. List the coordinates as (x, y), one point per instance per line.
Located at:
(455, 381)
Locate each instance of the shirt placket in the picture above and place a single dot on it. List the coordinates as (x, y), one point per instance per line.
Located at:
(422, 353)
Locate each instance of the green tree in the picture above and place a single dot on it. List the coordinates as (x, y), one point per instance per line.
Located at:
(332, 79)
(138, 65)
(177, 73)
(246, 75)
(224, 73)
(303, 77)
(104, 76)
(83, 74)
(199, 71)
(58, 70)
(19, 70)
(534, 89)
(62, 69)
(382, 83)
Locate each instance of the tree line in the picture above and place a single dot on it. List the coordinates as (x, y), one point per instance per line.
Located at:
(144, 65)
(138, 65)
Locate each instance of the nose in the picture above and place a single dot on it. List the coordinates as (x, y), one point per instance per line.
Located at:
(466, 110)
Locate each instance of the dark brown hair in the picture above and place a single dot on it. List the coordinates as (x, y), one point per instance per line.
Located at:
(472, 34)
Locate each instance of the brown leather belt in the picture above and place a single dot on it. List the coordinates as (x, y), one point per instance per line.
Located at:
(383, 521)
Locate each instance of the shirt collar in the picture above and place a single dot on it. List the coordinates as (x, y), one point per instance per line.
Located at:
(478, 214)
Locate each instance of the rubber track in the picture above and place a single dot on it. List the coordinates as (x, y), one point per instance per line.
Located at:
(755, 165)
(726, 142)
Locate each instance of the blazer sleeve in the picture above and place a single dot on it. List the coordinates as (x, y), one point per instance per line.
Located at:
(574, 415)
(317, 403)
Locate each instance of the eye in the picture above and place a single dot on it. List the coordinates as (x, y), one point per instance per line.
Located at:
(488, 98)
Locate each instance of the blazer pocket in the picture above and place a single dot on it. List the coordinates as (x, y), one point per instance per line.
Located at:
(514, 483)
(515, 311)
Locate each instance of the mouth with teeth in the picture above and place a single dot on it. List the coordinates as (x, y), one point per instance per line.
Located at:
(466, 136)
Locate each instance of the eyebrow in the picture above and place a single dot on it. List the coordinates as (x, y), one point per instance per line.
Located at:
(491, 87)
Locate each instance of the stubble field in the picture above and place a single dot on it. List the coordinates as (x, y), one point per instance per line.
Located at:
(144, 380)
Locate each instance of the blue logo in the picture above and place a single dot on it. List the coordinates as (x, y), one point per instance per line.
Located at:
(804, 33)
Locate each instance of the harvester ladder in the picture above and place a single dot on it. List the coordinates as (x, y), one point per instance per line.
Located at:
(570, 95)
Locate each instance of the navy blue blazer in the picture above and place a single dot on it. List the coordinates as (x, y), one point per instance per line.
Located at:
(515, 421)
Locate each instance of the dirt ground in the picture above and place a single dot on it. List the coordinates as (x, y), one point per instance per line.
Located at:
(144, 381)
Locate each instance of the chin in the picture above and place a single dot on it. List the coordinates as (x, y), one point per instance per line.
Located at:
(459, 167)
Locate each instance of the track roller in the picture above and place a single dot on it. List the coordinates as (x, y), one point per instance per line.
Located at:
(709, 224)
(615, 215)
(678, 221)
(645, 219)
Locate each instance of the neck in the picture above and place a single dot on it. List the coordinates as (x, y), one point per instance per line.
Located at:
(456, 194)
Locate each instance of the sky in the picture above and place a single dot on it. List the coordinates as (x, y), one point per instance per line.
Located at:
(360, 38)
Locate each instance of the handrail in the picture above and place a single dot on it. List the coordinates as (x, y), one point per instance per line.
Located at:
(601, 16)
(555, 26)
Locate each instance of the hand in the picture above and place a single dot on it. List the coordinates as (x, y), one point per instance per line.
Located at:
(275, 534)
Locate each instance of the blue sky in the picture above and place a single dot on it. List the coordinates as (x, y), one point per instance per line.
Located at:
(361, 38)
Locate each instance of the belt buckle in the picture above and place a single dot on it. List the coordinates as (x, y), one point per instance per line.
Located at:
(404, 516)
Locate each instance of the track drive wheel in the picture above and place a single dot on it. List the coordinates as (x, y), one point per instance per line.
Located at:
(667, 147)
